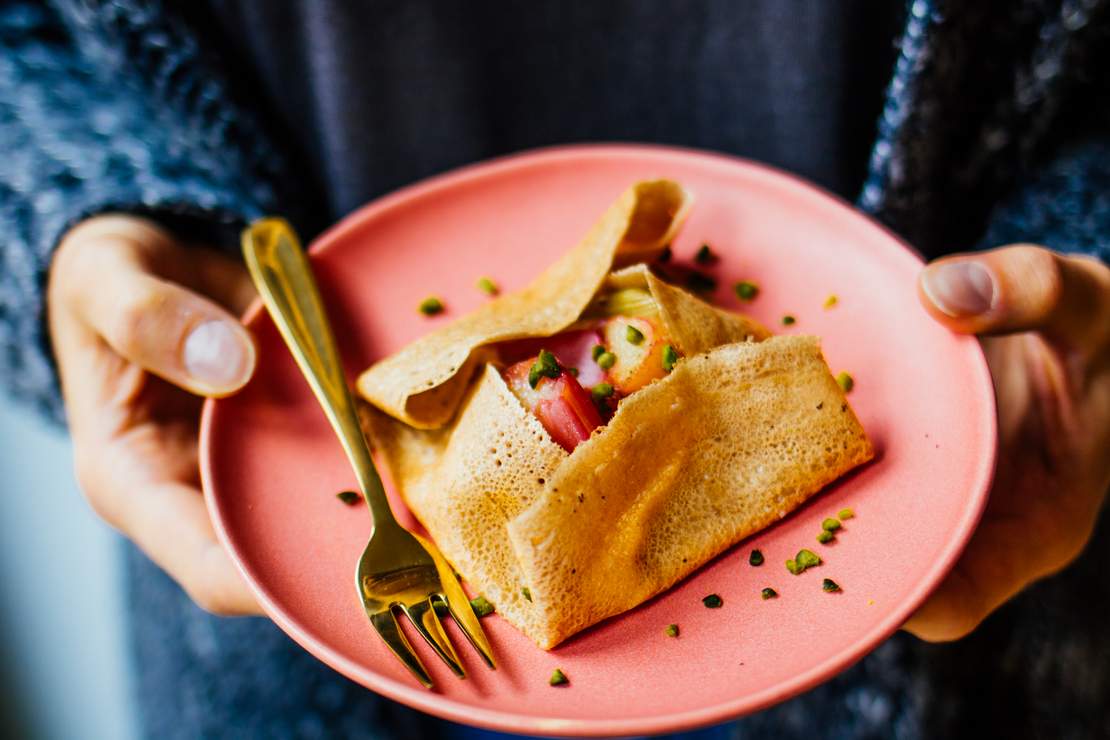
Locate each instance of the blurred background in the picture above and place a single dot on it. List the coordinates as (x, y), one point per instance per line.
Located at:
(63, 658)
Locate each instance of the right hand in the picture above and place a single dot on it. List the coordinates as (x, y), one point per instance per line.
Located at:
(142, 328)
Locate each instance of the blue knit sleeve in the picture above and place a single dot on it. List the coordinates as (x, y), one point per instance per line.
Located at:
(1065, 206)
(87, 128)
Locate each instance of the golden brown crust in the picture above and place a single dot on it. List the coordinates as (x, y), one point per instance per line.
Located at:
(730, 442)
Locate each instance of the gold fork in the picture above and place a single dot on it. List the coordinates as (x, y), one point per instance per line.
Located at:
(398, 570)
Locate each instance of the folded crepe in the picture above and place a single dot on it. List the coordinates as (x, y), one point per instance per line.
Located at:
(742, 431)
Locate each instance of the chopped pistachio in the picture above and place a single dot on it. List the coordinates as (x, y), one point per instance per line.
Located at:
(348, 497)
(825, 537)
(606, 360)
(487, 286)
(666, 254)
(746, 290)
(699, 282)
(793, 567)
(633, 335)
(481, 606)
(558, 678)
(831, 301)
(845, 514)
(621, 302)
(705, 255)
(768, 593)
(601, 391)
(807, 558)
(830, 525)
(430, 306)
(672, 630)
(670, 358)
(597, 351)
(844, 380)
(545, 366)
(829, 585)
(526, 593)
(787, 320)
(712, 601)
(756, 558)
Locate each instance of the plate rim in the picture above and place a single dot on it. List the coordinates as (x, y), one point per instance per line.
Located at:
(448, 708)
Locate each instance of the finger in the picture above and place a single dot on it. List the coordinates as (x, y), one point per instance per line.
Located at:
(224, 279)
(1021, 288)
(1000, 561)
(171, 525)
(172, 332)
(953, 611)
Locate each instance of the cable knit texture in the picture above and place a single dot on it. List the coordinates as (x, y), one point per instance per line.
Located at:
(994, 131)
(127, 120)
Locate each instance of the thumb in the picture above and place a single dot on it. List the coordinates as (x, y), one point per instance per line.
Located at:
(1020, 288)
(164, 328)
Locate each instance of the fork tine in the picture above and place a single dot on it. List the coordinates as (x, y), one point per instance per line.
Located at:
(459, 605)
(385, 624)
(466, 619)
(423, 616)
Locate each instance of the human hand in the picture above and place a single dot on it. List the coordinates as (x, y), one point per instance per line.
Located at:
(142, 327)
(1045, 318)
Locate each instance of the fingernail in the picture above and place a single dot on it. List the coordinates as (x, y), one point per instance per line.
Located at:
(216, 355)
(959, 289)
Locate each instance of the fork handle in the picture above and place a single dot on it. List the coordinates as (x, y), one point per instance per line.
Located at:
(283, 276)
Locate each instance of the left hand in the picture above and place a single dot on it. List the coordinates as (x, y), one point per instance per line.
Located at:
(1045, 321)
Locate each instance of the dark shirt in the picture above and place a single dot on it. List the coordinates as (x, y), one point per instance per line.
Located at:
(379, 94)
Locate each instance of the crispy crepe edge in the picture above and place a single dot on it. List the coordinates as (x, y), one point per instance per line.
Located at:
(423, 384)
(538, 550)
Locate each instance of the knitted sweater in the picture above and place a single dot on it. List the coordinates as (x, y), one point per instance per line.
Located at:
(994, 130)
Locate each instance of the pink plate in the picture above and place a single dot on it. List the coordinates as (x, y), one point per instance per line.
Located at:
(271, 466)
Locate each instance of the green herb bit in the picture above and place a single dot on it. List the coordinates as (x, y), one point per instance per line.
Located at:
(573, 371)
(830, 525)
(597, 351)
(746, 290)
(829, 585)
(712, 601)
(487, 286)
(348, 497)
(787, 320)
(601, 391)
(705, 255)
(526, 593)
(825, 537)
(831, 301)
(793, 567)
(844, 380)
(699, 282)
(430, 306)
(755, 559)
(481, 606)
(845, 514)
(633, 335)
(670, 358)
(768, 593)
(546, 366)
(606, 360)
(665, 255)
(807, 558)
(672, 630)
(558, 678)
